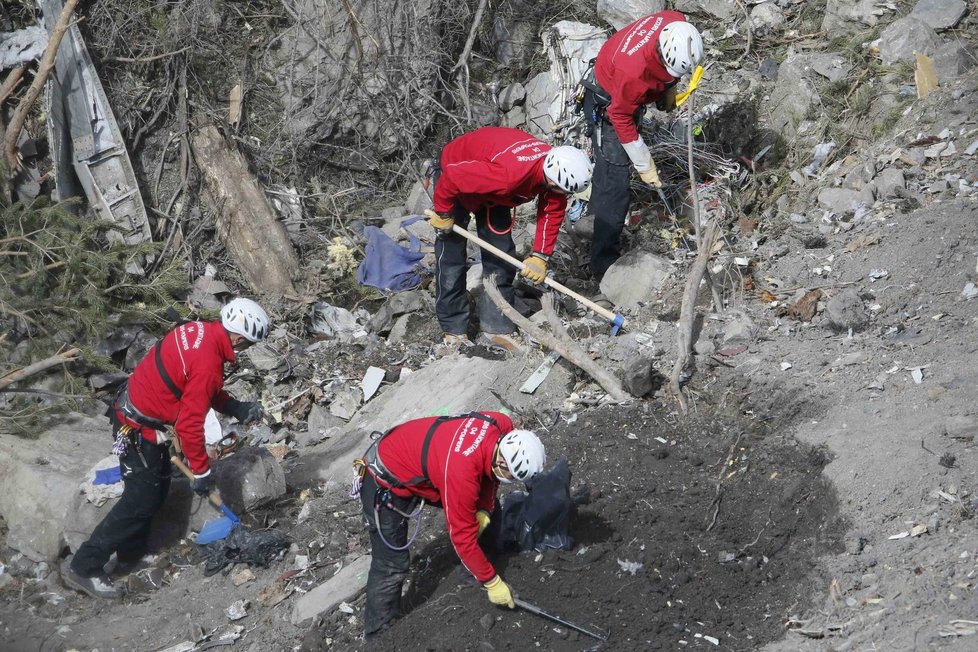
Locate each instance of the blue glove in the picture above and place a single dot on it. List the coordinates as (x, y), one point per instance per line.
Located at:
(201, 485)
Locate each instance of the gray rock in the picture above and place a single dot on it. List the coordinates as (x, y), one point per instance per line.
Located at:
(639, 376)
(635, 277)
(619, 13)
(844, 17)
(903, 37)
(542, 104)
(138, 349)
(794, 94)
(418, 200)
(40, 479)
(263, 357)
(704, 347)
(399, 330)
(512, 95)
(118, 340)
(332, 321)
(400, 303)
(953, 59)
(344, 586)
(739, 328)
(766, 17)
(392, 213)
(345, 404)
(845, 310)
(722, 9)
(890, 182)
(961, 427)
(318, 425)
(844, 201)
(514, 118)
(940, 14)
(515, 41)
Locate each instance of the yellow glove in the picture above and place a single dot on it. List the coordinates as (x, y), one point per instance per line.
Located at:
(482, 516)
(667, 101)
(535, 268)
(499, 592)
(442, 224)
(651, 176)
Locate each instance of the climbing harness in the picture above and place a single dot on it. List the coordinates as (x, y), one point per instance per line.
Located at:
(383, 499)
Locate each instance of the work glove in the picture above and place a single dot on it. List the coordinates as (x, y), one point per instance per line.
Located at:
(244, 411)
(201, 485)
(651, 176)
(482, 516)
(535, 268)
(499, 592)
(667, 101)
(442, 224)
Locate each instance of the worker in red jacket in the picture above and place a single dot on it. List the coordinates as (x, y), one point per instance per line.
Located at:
(487, 173)
(455, 463)
(178, 381)
(640, 64)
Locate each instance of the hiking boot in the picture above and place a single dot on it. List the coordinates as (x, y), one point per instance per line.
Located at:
(508, 342)
(98, 587)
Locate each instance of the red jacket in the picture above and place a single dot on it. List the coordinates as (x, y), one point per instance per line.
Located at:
(193, 355)
(499, 166)
(460, 458)
(631, 71)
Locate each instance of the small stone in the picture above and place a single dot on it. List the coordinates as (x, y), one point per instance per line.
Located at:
(961, 427)
(845, 310)
(243, 576)
(487, 621)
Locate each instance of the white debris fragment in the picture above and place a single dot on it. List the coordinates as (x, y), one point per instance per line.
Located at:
(630, 567)
(917, 375)
(371, 381)
(900, 535)
(785, 366)
(877, 274)
(972, 148)
(237, 610)
(970, 291)
(346, 607)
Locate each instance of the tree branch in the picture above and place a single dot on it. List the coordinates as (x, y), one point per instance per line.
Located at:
(38, 367)
(566, 347)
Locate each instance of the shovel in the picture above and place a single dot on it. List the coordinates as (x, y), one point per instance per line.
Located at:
(217, 528)
(522, 604)
(617, 321)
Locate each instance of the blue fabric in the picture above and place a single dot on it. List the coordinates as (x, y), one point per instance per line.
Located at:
(387, 265)
(108, 476)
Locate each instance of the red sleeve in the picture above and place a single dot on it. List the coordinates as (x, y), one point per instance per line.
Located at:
(460, 499)
(551, 207)
(204, 383)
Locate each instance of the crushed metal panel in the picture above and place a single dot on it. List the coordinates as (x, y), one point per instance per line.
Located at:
(84, 131)
(22, 46)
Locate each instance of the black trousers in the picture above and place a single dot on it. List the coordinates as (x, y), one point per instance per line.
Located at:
(494, 225)
(610, 195)
(125, 529)
(388, 568)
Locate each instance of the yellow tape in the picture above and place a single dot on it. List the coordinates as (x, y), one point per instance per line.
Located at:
(694, 83)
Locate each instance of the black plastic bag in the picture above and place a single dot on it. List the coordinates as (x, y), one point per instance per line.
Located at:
(540, 517)
(244, 547)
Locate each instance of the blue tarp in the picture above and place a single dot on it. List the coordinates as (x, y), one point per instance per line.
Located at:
(387, 265)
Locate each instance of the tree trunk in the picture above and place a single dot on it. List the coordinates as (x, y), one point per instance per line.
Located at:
(246, 222)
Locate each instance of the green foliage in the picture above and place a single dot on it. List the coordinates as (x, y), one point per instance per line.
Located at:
(62, 272)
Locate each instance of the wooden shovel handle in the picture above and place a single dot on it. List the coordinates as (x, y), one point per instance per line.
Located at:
(214, 497)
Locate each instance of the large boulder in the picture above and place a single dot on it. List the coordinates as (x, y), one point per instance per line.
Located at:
(722, 9)
(903, 37)
(940, 14)
(795, 92)
(619, 13)
(635, 277)
(542, 104)
(40, 479)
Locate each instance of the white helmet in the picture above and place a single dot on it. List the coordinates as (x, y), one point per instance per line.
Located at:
(681, 47)
(569, 168)
(245, 317)
(523, 452)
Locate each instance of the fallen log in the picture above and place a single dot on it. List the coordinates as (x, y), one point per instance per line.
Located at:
(559, 342)
(246, 222)
(38, 367)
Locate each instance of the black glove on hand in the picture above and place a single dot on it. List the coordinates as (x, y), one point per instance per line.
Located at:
(244, 411)
(201, 485)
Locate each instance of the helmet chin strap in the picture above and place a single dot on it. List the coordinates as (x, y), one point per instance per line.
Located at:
(501, 478)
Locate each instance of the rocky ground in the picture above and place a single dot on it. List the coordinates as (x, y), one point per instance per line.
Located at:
(819, 494)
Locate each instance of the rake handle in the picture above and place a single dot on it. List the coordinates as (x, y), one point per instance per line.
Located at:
(604, 312)
(213, 495)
